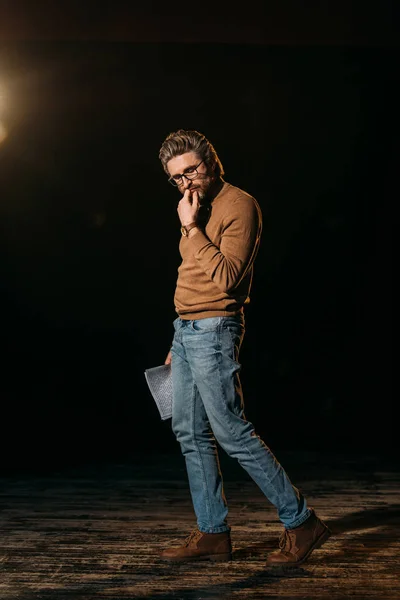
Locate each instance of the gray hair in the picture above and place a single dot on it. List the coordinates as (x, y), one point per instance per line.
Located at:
(182, 141)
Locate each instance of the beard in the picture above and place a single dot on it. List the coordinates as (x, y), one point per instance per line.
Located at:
(204, 192)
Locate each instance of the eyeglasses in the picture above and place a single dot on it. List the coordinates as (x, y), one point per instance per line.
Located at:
(190, 174)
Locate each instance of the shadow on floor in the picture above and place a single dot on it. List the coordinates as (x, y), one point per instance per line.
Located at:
(385, 519)
(367, 519)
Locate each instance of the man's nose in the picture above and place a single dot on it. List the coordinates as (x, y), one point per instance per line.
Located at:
(186, 183)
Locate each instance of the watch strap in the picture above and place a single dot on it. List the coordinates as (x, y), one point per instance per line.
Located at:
(186, 228)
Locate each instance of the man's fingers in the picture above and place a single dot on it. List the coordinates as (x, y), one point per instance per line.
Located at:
(187, 194)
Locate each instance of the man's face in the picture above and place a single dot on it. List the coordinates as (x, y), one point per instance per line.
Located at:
(185, 164)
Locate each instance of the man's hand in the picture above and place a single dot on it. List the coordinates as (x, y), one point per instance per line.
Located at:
(188, 207)
(168, 359)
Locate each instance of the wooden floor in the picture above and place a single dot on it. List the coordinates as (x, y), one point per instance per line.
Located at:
(93, 531)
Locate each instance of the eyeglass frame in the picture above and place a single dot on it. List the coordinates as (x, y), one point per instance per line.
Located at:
(173, 181)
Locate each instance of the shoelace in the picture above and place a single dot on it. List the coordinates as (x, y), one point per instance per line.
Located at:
(286, 540)
(193, 537)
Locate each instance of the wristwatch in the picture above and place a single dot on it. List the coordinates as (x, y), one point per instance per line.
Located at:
(186, 228)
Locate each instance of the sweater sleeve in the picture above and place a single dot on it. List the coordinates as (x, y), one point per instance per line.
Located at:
(227, 265)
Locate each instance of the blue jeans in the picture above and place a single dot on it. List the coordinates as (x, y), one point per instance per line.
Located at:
(208, 408)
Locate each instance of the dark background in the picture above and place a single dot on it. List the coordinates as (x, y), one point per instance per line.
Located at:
(303, 120)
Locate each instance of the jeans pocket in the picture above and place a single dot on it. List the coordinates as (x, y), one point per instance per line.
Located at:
(208, 324)
(235, 330)
(233, 324)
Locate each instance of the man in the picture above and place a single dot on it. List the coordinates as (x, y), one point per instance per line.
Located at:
(221, 228)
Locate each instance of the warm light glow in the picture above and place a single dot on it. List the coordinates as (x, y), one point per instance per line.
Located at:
(2, 99)
(3, 132)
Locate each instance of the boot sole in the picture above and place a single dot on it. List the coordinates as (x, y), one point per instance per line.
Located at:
(227, 556)
(317, 544)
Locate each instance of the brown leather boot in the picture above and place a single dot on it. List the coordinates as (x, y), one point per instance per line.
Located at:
(201, 546)
(297, 544)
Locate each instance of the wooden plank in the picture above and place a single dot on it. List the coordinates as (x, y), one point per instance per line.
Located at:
(95, 531)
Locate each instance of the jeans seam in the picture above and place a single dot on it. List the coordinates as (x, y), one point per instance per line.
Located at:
(208, 508)
(232, 430)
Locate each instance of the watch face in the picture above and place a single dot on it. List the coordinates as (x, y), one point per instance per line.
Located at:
(183, 231)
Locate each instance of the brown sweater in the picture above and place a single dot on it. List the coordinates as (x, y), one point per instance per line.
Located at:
(214, 278)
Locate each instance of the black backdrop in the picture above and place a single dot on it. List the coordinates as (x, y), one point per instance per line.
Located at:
(89, 237)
